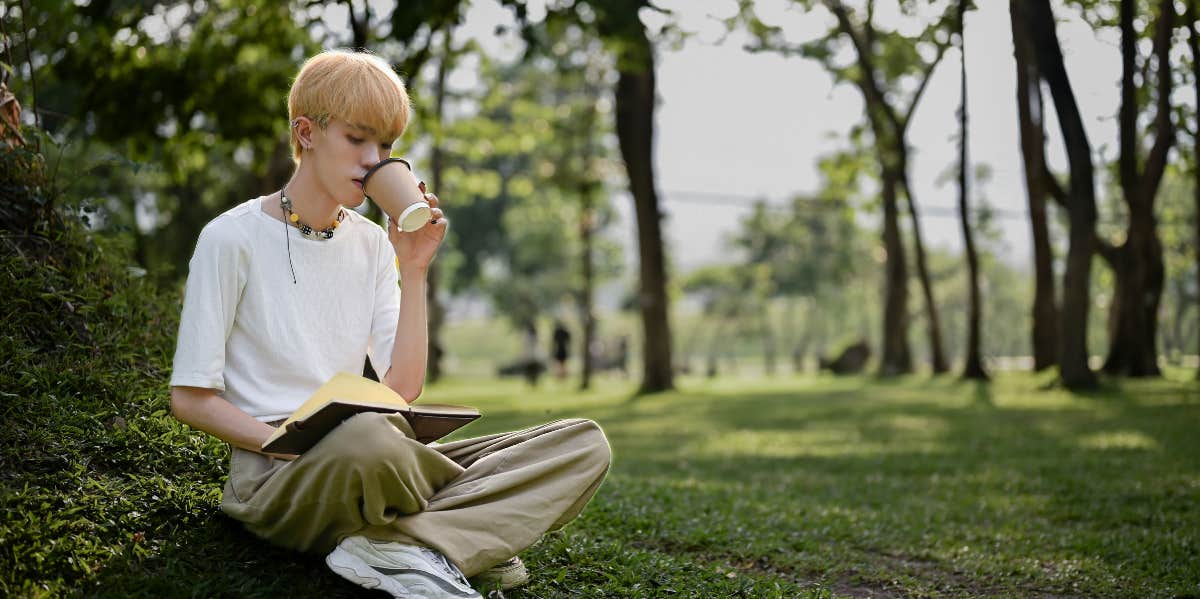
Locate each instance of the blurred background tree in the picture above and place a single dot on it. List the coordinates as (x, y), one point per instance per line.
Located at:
(158, 115)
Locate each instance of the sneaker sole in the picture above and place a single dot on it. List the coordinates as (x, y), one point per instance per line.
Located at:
(505, 579)
(416, 583)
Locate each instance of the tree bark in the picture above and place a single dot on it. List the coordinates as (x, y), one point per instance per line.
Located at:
(938, 361)
(635, 95)
(1194, 47)
(973, 366)
(896, 358)
(360, 28)
(768, 336)
(1033, 150)
(1073, 356)
(586, 309)
(587, 226)
(889, 135)
(437, 166)
(1138, 268)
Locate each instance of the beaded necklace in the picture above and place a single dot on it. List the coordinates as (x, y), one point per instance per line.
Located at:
(289, 215)
(285, 204)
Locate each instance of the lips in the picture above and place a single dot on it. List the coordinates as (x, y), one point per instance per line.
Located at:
(359, 183)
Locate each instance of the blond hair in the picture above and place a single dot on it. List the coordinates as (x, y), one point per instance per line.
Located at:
(356, 88)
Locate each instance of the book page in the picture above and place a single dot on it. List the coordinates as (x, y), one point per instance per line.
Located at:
(350, 388)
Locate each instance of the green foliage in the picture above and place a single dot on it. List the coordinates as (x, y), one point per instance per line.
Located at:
(166, 113)
(530, 164)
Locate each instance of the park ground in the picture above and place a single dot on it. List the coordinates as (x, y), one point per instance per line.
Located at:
(789, 486)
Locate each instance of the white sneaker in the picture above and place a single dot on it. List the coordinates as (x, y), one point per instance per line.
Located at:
(504, 576)
(404, 571)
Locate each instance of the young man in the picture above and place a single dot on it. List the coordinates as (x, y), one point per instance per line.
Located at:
(286, 290)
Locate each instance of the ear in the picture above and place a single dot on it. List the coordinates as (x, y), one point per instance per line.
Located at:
(302, 128)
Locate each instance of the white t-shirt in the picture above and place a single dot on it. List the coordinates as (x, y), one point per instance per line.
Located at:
(264, 343)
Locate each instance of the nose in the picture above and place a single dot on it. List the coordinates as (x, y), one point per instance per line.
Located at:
(371, 155)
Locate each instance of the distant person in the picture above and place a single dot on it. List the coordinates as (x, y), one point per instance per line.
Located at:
(287, 289)
(561, 349)
(622, 357)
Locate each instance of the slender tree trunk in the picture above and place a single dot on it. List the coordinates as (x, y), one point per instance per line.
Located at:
(437, 166)
(586, 309)
(635, 98)
(790, 342)
(937, 352)
(1073, 359)
(891, 151)
(768, 336)
(896, 358)
(586, 228)
(1033, 147)
(1194, 47)
(360, 27)
(1138, 267)
(973, 367)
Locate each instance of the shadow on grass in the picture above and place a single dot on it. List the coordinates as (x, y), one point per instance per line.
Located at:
(917, 487)
(956, 487)
(218, 558)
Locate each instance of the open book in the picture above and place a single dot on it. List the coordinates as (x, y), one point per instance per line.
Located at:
(345, 395)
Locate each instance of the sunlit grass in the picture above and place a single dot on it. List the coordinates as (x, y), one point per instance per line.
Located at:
(912, 486)
(786, 486)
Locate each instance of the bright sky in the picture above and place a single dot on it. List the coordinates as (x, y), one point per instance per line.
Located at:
(740, 125)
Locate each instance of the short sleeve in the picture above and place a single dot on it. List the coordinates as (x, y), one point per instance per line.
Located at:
(216, 278)
(387, 310)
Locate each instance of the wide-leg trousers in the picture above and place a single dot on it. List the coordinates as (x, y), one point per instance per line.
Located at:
(478, 501)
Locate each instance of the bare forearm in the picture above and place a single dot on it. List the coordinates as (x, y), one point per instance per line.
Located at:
(410, 349)
(204, 410)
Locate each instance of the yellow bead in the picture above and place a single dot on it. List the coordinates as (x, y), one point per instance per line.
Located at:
(295, 217)
(335, 224)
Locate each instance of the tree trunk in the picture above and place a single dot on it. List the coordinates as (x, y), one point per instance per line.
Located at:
(360, 28)
(587, 226)
(1073, 357)
(1138, 268)
(896, 358)
(768, 336)
(635, 96)
(1033, 150)
(1194, 46)
(936, 348)
(973, 367)
(586, 310)
(891, 151)
(437, 164)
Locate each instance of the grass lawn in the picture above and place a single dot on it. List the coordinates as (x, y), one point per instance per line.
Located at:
(784, 487)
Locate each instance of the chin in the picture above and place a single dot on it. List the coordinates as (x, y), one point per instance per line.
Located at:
(354, 202)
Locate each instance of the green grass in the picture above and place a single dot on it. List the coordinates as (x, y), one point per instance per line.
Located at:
(753, 487)
(910, 487)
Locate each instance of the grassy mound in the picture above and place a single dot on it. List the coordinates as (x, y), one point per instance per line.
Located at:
(101, 490)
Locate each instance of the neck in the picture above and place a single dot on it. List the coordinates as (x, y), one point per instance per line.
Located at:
(312, 203)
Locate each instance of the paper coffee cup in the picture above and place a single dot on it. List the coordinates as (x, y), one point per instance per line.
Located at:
(392, 185)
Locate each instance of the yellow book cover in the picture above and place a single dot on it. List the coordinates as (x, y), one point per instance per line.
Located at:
(345, 395)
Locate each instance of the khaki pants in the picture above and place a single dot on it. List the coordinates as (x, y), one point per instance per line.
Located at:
(478, 501)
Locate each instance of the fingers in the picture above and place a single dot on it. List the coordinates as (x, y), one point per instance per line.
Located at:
(432, 200)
